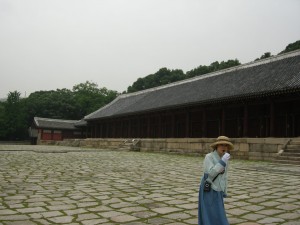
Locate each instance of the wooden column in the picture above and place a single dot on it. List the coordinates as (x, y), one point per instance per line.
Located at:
(204, 131)
(101, 129)
(139, 127)
(148, 126)
(129, 128)
(245, 132)
(173, 125)
(96, 130)
(159, 126)
(88, 132)
(122, 135)
(92, 131)
(187, 124)
(272, 119)
(114, 127)
(223, 122)
(107, 129)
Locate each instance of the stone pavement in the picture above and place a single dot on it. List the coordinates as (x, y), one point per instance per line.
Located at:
(64, 185)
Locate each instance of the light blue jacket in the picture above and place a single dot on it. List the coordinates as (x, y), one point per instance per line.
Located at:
(213, 165)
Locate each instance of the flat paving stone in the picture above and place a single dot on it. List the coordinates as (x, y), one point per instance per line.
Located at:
(68, 185)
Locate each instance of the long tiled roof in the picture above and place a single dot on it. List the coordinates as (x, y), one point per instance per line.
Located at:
(269, 76)
(55, 123)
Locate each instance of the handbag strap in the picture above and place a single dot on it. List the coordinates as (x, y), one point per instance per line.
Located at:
(216, 177)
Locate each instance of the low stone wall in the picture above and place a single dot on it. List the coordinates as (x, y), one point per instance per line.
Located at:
(100, 143)
(244, 148)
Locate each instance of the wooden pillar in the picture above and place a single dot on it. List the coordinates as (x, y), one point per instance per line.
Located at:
(92, 131)
(245, 132)
(173, 125)
(95, 130)
(138, 127)
(272, 119)
(88, 132)
(223, 122)
(98, 129)
(113, 127)
(187, 124)
(121, 133)
(95, 127)
(204, 130)
(129, 127)
(102, 131)
(159, 126)
(148, 126)
(106, 127)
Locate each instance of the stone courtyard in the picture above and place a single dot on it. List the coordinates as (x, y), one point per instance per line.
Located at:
(65, 185)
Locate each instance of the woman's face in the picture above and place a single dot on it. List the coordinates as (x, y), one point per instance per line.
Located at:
(222, 149)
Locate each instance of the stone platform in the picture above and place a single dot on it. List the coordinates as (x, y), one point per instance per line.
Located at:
(65, 185)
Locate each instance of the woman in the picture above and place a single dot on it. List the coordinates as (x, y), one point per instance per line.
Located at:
(211, 209)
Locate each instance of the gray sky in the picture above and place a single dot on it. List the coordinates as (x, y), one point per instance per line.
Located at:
(50, 44)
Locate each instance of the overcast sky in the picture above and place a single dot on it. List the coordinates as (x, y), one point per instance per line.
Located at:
(50, 44)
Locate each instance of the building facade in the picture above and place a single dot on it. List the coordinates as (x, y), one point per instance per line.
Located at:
(54, 129)
(258, 99)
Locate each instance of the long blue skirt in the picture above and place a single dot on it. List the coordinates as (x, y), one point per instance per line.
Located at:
(211, 209)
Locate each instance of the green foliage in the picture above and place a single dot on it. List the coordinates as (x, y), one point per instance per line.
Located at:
(59, 104)
(161, 77)
(166, 76)
(17, 114)
(215, 66)
(3, 131)
(13, 118)
(264, 56)
(88, 97)
(291, 47)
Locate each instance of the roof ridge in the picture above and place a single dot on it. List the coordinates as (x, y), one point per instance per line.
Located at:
(58, 120)
(216, 73)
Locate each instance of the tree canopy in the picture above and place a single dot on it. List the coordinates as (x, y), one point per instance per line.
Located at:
(165, 76)
(16, 114)
(291, 47)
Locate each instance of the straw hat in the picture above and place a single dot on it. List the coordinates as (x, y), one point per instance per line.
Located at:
(222, 140)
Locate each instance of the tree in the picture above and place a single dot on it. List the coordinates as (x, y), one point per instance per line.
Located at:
(59, 104)
(291, 47)
(264, 56)
(215, 66)
(15, 120)
(3, 132)
(88, 97)
(161, 77)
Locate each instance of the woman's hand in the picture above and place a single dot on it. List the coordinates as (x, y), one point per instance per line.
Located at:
(226, 157)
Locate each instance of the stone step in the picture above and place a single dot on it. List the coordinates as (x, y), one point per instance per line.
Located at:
(284, 161)
(292, 150)
(288, 157)
(128, 144)
(291, 154)
(293, 146)
(295, 142)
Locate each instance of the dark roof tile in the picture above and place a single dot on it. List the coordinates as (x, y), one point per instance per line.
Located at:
(47, 123)
(271, 75)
